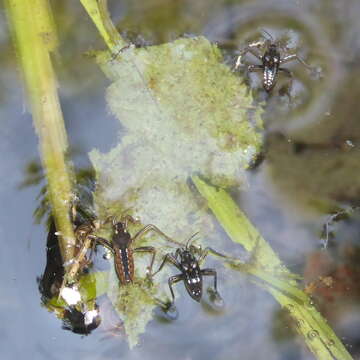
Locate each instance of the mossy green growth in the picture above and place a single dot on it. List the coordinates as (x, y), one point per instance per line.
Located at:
(93, 285)
(134, 304)
(182, 111)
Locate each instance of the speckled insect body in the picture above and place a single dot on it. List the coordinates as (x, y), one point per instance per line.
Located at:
(271, 63)
(191, 272)
(268, 52)
(187, 259)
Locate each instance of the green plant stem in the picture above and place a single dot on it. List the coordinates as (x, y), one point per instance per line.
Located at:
(271, 274)
(35, 37)
(97, 10)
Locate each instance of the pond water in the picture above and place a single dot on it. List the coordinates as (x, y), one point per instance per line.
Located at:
(310, 170)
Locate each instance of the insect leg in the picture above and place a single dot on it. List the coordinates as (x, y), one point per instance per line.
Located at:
(253, 68)
(290, 75)
(204, 253)
(110, 218)
(252, 49)
(76, 262)
(173, 280)
(128, 218)
(152, 227)
(168, 258)
(103, 242)
(125, 219)
(169, 307)
(151, 250)
(210, 272)
(293, 57)
(250, 68)
(214, 294)
(287, 72)
(87, 240)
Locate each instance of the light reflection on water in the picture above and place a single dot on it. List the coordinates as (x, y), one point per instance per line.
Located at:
(293, 229)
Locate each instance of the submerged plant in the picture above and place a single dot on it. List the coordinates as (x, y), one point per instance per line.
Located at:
(184, 113)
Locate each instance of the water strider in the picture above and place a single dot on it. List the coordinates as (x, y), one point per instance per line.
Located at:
(120, 245)
(272, 58)
(187, 259)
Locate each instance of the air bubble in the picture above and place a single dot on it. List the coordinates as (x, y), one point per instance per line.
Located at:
(312, 334)
(310, 303)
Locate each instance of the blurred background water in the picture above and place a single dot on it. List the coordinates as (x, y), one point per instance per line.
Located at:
(310, 169)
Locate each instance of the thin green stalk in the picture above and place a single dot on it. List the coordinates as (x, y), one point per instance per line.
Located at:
(35, 38)
(271, 274)
(97, 10)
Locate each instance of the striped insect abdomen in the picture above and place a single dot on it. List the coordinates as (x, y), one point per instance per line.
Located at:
(124, 264)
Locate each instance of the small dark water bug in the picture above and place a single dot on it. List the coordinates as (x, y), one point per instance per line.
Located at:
(188, 260)
(121, 245)
(270, 53)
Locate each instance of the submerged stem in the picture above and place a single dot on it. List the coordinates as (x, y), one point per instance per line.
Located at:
(35, 38)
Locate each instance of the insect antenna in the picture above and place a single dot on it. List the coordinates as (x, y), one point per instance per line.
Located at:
(124, 213)
(269, 36)
(189, 240)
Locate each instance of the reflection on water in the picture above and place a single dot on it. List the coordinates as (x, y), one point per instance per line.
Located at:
(300, 31)
(310, 169)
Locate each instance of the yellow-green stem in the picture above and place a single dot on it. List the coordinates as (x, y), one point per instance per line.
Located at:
(35, 37)
(269, 272)
(97, 10)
